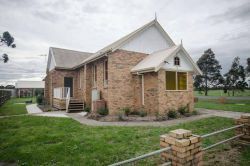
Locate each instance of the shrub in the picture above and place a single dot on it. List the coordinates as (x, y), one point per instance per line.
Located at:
(135, 112)
(143, 113)
(120, 116)
(195, 112)
(126, 111)
(103, 111)
(183, 110)
(39, 99)
(160, 117)
(87, 109)
(172, 114)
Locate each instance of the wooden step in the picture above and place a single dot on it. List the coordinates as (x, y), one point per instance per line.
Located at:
(75, 110)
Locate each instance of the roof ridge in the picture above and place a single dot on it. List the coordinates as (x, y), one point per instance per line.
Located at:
(126, 37)
(70, 50)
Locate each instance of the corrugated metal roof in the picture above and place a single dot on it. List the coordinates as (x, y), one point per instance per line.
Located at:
(65, 58)
(152, 61)
(29, 84)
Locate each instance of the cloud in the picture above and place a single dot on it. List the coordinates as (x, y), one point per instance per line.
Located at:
(239, 13)
(90, 25)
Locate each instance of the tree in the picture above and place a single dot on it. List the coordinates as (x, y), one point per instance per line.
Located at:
(248, 65)
(9, 87)
(8, 40)
(211, 72)
(235, 77)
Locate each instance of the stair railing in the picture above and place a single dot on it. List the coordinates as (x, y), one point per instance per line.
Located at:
(67, 100)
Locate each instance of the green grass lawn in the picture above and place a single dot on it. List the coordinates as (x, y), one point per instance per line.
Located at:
(230, 105)
(14, 106)
(221, 93)
(30, 140)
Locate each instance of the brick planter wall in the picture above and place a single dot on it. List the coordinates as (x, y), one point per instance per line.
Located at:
(244, 119)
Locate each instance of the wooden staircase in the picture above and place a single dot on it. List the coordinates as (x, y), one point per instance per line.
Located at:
(75, 105)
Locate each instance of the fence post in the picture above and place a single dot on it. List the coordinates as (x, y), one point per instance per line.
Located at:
(244, 119)
(186, 148)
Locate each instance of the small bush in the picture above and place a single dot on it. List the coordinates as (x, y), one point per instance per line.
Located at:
(39, 99)
(195, 112)
(143, 113)
(160, 117)
(87, 109)
(120, 116)
(172, 114)
(183, 110)
(135, 112)
(126, 111)
(103, 111)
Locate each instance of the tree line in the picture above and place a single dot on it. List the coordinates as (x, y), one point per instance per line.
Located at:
(233, 80)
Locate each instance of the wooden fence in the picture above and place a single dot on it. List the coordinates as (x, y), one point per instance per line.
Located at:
(4, 96)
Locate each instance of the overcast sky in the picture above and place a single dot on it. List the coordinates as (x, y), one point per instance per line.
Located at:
(89, 25)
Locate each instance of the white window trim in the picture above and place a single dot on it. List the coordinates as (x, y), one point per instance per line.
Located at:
(80, 79)
(105, 82)
(176, 79)
(93, 75)
(179, 61)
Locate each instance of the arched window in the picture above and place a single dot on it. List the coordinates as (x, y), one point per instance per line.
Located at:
(177, 61)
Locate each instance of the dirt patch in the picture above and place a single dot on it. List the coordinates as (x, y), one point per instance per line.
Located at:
(227, 155)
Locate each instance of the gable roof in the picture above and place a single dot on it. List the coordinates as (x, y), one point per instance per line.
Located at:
(122, 41)
(155, 61)
(67, 59)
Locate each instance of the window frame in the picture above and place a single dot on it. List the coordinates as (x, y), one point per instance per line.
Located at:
(80, 79)
(94, 75)
(177, 59)
(105, 73)
(176, 80)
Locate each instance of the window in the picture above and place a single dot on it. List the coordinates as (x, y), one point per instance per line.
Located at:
(105, 71)
(94, 75)
(170, 80)
(176, 80)
(80, 79)
(176, 61)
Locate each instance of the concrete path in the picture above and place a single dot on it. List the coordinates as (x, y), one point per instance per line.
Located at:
(227, 97)
(221, 113)
(80, 117)
(91, 122)
(204, 113)
(33, 109)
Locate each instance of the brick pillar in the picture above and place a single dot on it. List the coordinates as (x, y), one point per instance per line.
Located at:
(186, 148)
(244, 119)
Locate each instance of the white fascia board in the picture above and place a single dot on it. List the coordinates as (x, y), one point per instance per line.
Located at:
(199, 72)
(162, 63)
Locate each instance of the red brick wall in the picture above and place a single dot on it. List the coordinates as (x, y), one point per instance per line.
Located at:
(123, 88)
(174, 99)
(55, 78)
(151, 102)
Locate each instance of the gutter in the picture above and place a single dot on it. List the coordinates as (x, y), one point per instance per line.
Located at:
(102, 54)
